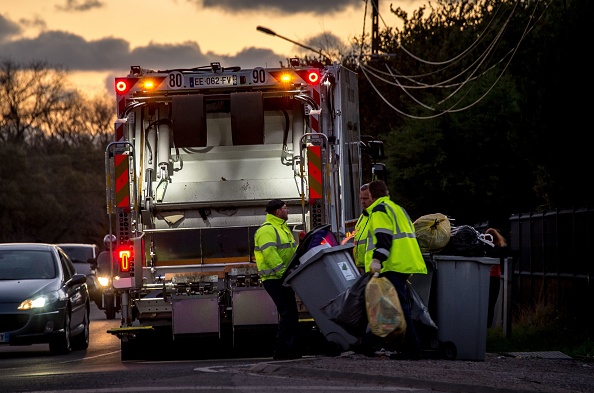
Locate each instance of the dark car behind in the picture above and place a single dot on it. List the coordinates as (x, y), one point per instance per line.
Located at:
(84, 258)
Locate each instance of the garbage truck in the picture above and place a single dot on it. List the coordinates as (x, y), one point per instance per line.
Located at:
(197, 153)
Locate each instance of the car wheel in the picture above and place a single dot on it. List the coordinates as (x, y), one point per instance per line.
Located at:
(61, 344)
(82, 340)
(110, 310)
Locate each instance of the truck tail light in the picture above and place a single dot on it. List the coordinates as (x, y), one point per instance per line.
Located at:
(124, 256)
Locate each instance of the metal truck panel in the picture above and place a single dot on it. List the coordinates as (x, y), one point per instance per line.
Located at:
(193, 315)
(244, 312)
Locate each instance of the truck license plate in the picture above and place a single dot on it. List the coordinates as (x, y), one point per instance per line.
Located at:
(3, 337)
(213, 80)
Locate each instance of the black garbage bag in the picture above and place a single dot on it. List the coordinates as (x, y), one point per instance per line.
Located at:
(418, 309)
(467, 242)
(348, 308)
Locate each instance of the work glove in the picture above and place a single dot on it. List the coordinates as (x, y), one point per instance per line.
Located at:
(376, 266)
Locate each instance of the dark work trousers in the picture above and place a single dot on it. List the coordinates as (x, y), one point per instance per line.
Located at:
(410, 345)
(286, 305)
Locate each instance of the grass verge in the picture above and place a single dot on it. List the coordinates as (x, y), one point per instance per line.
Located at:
(543, 329)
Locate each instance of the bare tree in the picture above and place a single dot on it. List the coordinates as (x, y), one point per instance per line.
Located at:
(29, 94)
(52, 142)
(100, 119)
(83, 122)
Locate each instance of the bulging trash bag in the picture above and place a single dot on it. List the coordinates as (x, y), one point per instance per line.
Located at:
(348, 308)
(433, 232)
(384, 311)
(468, 242)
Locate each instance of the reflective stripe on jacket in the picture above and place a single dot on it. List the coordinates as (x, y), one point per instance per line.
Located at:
(391, 239)
(274, 245)
(360, 239)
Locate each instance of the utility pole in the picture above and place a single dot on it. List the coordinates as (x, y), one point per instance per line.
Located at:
(374, 27)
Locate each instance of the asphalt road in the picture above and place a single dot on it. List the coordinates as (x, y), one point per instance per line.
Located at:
(99, 369)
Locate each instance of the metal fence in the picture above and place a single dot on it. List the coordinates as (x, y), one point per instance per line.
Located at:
(552, 264)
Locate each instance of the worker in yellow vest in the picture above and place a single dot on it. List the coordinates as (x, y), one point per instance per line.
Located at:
(274, 247)
(394, 253)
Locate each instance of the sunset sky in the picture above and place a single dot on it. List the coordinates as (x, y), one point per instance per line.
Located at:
(99, 39)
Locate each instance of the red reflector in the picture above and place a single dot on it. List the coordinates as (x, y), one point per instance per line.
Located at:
(313, 77)
(121, 86)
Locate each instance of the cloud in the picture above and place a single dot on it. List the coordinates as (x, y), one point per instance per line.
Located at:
(56, 46)
(85, 5)
(114, 56)
(8, 29)
(110, 54)
(280, 6)
(36, 22)
(249, 58)
(163, 56)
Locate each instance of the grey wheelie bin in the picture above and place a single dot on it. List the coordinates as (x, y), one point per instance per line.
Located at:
(458, 299)
(323, 274)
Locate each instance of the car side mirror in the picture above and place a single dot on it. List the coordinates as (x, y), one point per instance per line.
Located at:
(78, 279)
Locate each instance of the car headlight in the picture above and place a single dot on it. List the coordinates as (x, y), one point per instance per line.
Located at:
(103, 281)
(40, 301)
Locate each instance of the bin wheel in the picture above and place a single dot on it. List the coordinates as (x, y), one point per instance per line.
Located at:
(449, 350)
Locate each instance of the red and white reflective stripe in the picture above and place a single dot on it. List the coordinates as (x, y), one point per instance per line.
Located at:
(314, 170)
(121, 104)
(122, 182)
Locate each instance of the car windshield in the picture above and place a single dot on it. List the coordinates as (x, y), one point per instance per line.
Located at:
(78, 253)
(26, 265)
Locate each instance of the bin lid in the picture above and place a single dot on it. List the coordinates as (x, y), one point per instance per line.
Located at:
(457, 258)
(317, 253)
(318, 235)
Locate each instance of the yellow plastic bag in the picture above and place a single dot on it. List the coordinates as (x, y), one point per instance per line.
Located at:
(433, 232)
(384, 311)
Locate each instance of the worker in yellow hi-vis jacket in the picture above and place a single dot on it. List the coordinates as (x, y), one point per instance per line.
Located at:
(394, 253)
(274, 247)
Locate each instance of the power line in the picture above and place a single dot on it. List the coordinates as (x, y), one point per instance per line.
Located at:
(470, 74)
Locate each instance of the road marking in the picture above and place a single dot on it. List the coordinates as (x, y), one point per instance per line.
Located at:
(89, 357)
(213, 369)
(210, 369)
